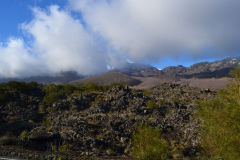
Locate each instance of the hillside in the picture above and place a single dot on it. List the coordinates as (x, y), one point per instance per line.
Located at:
(213, 75)
(217, 69)
(109, 78)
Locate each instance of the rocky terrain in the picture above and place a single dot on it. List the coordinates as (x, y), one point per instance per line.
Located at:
(90, 121)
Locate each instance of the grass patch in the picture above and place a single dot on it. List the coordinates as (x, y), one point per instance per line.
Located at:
(147, 144)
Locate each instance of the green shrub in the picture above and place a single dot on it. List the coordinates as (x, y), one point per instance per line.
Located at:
(41, 108)
(21, 87)
(64, 148)
(116, 84)
(147, 92)
(52, 97)
(68, 89)
(23, 136)
(46, 121)
(221, 123)
(54, 148)
(90, 87)
(150, 104)
(14, 86)
(148, 145)
(177, 101)
(3, 97)
(52, 93)
(161, 102)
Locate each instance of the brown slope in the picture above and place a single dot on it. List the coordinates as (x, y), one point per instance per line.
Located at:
(108, 78)
(211, 83)
(150, 82)
(203, 83)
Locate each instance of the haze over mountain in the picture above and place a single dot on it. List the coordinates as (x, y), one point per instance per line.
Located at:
(204, 75)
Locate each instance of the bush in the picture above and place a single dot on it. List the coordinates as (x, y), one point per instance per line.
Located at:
(14, 86)
(148, 145)
(147, 92)
(123, 84)
(21, 87)
(8, 140)
(64, 148)
(176, 101)
(3, 97)
(52, 93)
(221, 122)
(151, 104)
(23, 136)
(161, 102)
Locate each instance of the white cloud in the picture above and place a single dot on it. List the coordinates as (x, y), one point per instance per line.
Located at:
(152, 29)
(63, 44)
(15, 60)
(59, 43)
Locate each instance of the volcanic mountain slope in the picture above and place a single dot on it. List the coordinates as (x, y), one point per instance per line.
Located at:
(109, 78)
(217, 69)
(213, 75)
(139, 70)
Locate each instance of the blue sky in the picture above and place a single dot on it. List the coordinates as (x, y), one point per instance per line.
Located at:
(15, 12)
(86, 36)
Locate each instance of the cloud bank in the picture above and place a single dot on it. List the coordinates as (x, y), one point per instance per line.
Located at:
(159, 28)
(112, 31)
(63, 44)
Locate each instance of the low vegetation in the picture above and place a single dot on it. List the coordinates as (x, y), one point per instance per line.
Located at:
(221, 122)
(147, 144)
(19, 87)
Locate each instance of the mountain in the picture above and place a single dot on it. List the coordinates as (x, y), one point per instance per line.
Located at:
(205, 75)
(108, 78)
(214, 75)
(61, 78)
(138, 70)
(217, 69)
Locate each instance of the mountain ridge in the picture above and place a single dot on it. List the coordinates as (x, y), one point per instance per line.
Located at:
(147, 76)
